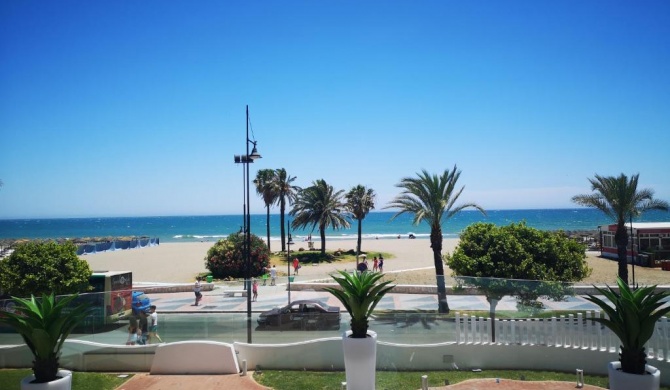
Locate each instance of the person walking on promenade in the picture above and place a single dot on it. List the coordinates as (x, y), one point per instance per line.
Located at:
(273, 275)
(254, 290)
(196, 289)
(153, 324)
(296, 265)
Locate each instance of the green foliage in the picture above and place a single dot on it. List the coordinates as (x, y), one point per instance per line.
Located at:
(487, 256)
(360, 201)
(633, 319)
(432, 199)
(11, 379)
(226, 258)
(359, 293)
(320, 206)
(44, 325)
(517, 251)
(43, 267)
(402, 380)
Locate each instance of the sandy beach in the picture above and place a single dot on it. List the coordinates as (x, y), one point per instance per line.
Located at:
(181, 262)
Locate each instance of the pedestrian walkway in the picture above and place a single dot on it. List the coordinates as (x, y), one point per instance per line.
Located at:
(272, 296)
(181, 382)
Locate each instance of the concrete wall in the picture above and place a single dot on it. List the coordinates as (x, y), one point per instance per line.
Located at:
(326, 354)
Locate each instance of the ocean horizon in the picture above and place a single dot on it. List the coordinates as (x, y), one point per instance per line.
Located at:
(376, 225)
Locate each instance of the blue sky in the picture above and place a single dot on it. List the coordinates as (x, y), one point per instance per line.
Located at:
(132, 108)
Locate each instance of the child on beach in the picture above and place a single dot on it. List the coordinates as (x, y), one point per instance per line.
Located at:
(381, 263)
(375, 264)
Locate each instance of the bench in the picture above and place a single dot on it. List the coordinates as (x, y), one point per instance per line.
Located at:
(232, 293)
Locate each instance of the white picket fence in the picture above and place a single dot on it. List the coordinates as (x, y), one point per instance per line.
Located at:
(570, 331)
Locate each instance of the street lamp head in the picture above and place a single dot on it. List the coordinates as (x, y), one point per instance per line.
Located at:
(254, 153)
(243, 159)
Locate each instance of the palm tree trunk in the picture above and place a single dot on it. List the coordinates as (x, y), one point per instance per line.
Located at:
(267, 224)
(322, 233)
(436, 244)
(621, 239)
(360, 232)
(282, 206)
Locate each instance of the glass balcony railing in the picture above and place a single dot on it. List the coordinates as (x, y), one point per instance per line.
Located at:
(544, 323)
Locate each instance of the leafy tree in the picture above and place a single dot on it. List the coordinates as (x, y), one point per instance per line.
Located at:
(264, 182)
(226, 259)
(286, 192)
(360, 201)
(517, 260)
(44, 267)
(320, 206)
(619, 199)
(432, 198)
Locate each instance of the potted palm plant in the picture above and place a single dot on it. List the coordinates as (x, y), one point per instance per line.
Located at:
(360, 294)
(44, 324)
(633, 319)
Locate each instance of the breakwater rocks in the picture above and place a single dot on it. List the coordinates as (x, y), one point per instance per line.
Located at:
(89, 245)
(116, 245)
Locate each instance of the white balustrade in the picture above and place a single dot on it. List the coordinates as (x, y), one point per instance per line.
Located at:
(580, 331)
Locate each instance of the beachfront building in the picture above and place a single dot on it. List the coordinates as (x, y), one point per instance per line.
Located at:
(649, 242)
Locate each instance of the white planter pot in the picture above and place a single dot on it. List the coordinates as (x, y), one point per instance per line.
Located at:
(360, 361)
(620, 380)
(63, 383)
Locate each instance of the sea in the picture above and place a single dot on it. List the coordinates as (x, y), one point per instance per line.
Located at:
(376, 225)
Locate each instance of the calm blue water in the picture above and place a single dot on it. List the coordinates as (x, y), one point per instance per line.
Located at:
(375, 225)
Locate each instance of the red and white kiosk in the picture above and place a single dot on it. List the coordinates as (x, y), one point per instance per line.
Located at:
(650, 242)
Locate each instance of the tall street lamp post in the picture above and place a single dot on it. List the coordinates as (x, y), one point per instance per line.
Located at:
(288, 259)
(247, 159)
(632, 248)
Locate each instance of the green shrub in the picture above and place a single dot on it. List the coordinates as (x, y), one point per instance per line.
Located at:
(44, 267)
(226, 258)
(519, 261)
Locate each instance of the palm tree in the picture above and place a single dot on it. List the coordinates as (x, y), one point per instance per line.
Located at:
(286, 192)
(432, 198)
(320, 205)
(264, 182)
(620, 200)
(360, 201)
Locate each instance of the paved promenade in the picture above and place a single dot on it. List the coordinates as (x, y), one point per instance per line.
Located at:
(220, 300)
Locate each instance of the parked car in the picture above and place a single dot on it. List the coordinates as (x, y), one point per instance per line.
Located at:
(141, 301)
(302, 315)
